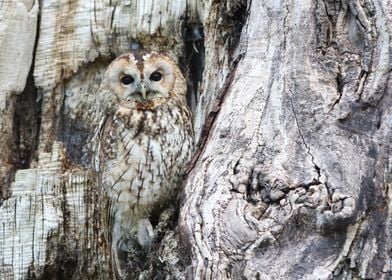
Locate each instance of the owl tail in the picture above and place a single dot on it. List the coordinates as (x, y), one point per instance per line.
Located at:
(119, 263)
(140, 236)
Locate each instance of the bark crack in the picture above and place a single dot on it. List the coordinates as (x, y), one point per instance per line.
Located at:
(316, 167)
(112, 16)
(339, 87)
(285, 26)
(214, 113)
(361, 82)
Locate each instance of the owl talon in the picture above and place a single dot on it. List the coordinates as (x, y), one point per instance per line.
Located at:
(194, 47)
(127, 245)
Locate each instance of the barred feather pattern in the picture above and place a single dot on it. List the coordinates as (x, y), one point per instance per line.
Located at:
(143, 158)
(140, 156)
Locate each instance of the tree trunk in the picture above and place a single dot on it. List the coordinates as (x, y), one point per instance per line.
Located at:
(292, 176)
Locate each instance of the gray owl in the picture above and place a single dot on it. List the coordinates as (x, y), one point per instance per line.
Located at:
(142, 146)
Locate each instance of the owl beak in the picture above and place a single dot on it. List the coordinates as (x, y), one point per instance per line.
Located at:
(142, 90)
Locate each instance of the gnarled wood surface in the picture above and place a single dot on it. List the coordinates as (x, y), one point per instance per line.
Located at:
(292, 106)
(295, 179)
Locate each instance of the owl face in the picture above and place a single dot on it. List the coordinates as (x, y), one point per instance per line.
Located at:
(142, 80)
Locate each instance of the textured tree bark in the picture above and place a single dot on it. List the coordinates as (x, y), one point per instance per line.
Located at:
(294, 181)
(292, 178)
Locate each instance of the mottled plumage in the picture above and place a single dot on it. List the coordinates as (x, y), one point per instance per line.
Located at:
(143, 145)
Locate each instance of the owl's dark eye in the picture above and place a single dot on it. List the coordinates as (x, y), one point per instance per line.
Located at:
(156, 76)
(127, 79)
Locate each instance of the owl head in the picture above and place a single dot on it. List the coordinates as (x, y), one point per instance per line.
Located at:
(145, 80)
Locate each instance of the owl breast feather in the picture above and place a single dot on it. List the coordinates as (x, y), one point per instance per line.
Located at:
(146, 156)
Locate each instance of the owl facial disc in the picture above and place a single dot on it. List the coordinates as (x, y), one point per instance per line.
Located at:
(139, 80)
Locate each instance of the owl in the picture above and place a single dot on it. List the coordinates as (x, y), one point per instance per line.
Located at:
(142, 146)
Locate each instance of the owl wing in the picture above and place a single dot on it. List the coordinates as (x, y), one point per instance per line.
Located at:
(102, 153)
(105, 151)
(102, 145)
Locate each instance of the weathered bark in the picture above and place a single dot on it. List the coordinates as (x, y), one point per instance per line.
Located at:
(292, 106)
(294, 181)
